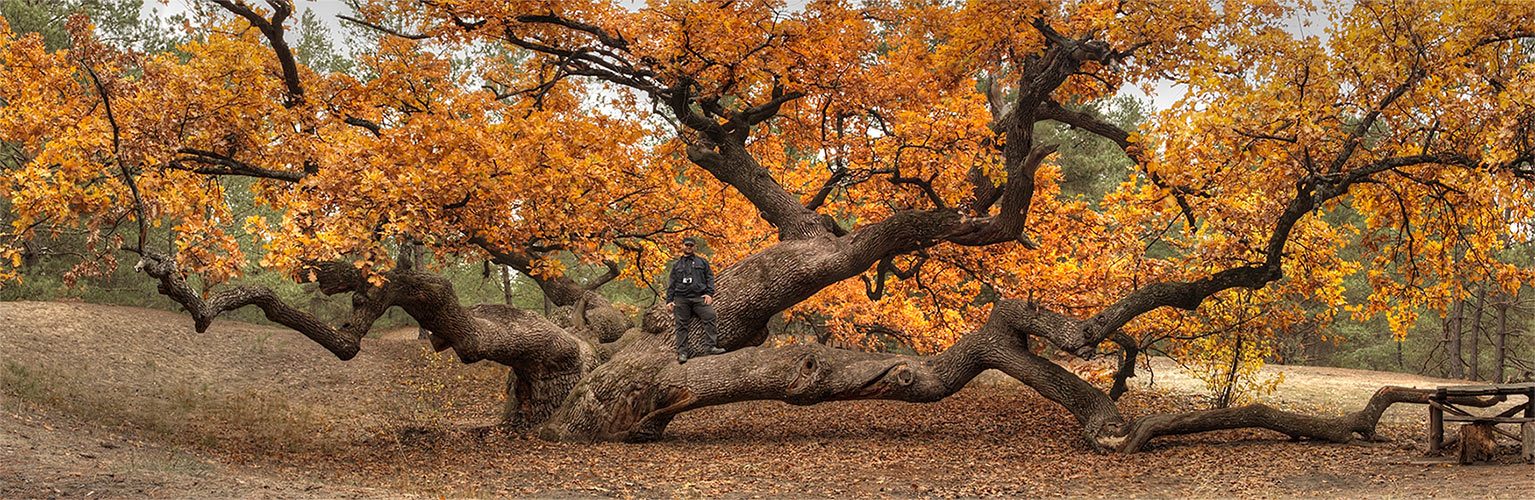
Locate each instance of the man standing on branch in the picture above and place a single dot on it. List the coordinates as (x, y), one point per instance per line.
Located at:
(690, 294)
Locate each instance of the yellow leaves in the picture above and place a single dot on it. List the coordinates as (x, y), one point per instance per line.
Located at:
(888, 89)
(548, 267)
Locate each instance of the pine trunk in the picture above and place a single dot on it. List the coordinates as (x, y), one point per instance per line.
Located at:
(1457, 364)
(506, 284)
(1473, 356)
(1500, 345)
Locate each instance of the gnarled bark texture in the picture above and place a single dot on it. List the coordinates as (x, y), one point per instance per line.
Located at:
(637, 393)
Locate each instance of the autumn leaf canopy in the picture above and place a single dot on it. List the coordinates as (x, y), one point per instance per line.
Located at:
(575, 132)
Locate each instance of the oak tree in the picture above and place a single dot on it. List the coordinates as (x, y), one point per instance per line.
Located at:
(875, 167)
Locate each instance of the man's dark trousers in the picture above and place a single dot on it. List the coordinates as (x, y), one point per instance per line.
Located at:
(686, 308)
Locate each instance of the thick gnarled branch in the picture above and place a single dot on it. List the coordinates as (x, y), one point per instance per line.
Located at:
(590, 311)
(343, 342)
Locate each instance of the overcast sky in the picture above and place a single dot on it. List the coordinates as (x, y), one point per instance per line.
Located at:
(1164, 95)
(327, 10)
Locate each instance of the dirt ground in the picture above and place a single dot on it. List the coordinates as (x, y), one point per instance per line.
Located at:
(113, 402)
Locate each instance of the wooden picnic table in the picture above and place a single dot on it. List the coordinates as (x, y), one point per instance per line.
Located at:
(1446, 405)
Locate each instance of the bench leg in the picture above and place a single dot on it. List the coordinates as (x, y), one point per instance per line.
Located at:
(1435, 428)
(1528, 450)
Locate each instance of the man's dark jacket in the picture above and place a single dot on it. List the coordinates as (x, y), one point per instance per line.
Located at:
(691, 277)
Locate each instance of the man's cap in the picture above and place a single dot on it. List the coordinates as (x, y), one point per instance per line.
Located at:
(689, 241)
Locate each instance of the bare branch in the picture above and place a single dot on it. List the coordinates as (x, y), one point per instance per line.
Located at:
(826, 189)
(616, 42)
(217, 164)
(762, 112)
(138, 201)
(380, 28)
(1340, 429)
(367, 124)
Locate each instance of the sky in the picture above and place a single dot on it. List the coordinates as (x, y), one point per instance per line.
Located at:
(1163, 95)
(327, 10)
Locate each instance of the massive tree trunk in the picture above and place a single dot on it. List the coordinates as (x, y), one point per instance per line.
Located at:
(635, 395)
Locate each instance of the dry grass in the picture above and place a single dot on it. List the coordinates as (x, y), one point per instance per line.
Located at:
(179, 412)
(247, 411)
(237, 387)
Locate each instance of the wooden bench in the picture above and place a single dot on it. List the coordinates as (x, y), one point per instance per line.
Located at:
(1479, 431)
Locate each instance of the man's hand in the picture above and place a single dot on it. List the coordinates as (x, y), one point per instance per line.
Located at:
(708, 301)
(669, 306)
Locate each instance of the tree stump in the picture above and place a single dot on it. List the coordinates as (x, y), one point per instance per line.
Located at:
(1477, 442)
(1528, 450)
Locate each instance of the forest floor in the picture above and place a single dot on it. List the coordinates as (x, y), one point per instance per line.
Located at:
(114, 402)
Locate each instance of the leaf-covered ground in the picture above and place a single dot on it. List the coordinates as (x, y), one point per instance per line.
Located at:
(103, 401)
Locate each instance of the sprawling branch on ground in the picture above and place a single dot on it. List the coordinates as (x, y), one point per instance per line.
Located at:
(545, 359)
(1341, 429)
(333, 278)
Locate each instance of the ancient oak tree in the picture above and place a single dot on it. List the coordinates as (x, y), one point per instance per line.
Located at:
(873, 169)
